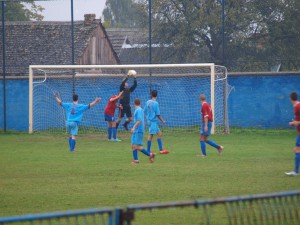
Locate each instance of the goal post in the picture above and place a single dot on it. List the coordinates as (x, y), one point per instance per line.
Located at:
(178, 85)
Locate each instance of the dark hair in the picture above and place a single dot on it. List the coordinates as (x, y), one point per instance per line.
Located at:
(202, 97)
(137, 101)
(75, 97)
(294, 96)
(154, 93)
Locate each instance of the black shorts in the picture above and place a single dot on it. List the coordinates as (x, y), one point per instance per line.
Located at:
(126, 110)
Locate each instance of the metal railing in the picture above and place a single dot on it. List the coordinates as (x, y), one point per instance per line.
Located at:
(270, 209)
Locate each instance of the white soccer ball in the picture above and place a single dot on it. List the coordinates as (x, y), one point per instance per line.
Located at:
(131, 73)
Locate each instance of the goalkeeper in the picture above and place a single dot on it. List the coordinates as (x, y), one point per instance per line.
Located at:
(125, 107)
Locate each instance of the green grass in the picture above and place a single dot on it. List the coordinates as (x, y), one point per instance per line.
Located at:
(39, 174)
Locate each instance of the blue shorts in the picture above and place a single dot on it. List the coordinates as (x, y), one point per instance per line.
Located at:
(153, 127)
(72, 128)
(208, 133)
(109, 118)
(298, 141)
(137, 138)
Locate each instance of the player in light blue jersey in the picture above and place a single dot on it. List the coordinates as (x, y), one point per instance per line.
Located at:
(138, 133)
(152, 116)
(74, 113)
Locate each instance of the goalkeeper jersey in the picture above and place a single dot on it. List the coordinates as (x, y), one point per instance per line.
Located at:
(125, 101)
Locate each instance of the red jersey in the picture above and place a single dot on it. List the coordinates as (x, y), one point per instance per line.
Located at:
(297, 115)
(111, 106)
(206, 112)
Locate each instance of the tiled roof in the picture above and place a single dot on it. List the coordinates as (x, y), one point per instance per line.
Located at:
(35, 43)
(120, 36)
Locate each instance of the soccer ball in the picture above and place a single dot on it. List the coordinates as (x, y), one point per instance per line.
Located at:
(132, 73)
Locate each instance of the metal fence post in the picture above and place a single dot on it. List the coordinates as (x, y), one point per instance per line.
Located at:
(3, 68)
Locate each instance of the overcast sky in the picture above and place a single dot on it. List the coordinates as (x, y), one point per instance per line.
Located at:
(60, 10)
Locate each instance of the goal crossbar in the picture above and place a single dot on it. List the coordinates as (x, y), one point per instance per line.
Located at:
(121, 66)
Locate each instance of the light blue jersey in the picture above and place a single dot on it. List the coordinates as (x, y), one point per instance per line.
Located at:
(139, 116)
(74, 112)
(152, 111)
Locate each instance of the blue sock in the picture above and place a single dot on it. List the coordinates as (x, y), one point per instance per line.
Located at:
(211, 143)
(73, 143)
(159, 142)
(70, 142)
(109, 130)
(203, 147)
(149, 146)
(114, 131)
(135, 155)
(145, 152)
(297, 162)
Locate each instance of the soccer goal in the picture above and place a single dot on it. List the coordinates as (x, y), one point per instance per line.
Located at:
(178, 86)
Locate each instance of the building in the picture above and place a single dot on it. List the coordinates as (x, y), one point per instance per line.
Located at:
(50, 43)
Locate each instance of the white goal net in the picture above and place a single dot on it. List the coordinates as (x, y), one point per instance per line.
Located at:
(178, 86)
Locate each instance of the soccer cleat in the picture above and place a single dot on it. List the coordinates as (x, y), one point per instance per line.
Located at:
(292, 174)
(135, 162)
(125, 126)
(164, 151)
(151, 158)
(153, 153)
(116, 140)
(202, 155)
(220, 150)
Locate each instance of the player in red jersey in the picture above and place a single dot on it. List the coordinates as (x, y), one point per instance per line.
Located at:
(109, 115)
(296, 123)
(207, 120)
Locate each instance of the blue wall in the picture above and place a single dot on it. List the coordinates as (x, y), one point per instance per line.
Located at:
(256, 101)
(262, 101)
(16, 104)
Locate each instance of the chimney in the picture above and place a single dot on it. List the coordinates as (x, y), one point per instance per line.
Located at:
(88, 19)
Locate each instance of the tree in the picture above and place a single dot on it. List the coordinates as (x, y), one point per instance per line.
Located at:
(191, 26)
(283, 31)
(258, 34)
(124, 13)
(22, 11)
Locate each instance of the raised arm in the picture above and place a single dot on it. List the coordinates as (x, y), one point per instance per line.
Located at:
(117, 97)
(94, 102)
(132, 88)
(57, 98)
(122, 86)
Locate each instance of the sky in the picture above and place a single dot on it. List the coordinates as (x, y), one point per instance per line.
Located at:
(60, 10)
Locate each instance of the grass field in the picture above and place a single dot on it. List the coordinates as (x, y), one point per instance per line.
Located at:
(39, 174)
